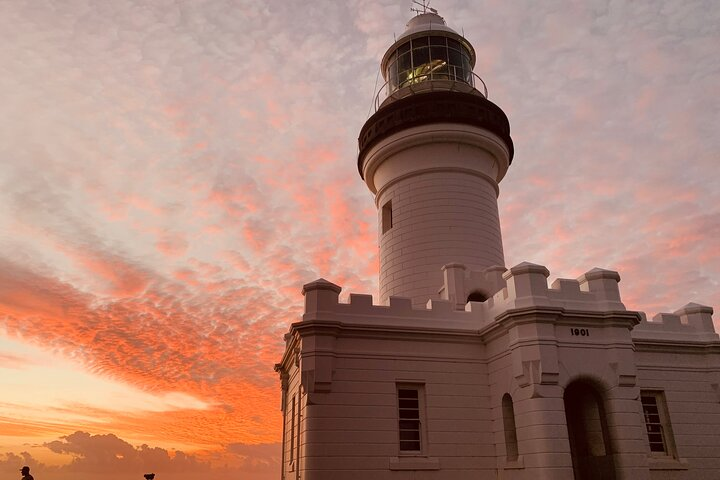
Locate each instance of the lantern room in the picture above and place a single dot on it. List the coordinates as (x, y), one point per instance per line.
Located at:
(429, 55)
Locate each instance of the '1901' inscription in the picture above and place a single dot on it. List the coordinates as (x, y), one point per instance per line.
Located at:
(579, 332)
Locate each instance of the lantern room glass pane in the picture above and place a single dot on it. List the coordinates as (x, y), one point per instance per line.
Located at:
(404, 62)
(403, 78)
(419, 42)
(469, 78)
(454, 57)
(437, 41)
(467, 69)
(393, 76)
(439, 53)
(421, 56)
(454, 44)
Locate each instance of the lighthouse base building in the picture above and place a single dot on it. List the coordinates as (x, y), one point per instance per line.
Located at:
(466, 369)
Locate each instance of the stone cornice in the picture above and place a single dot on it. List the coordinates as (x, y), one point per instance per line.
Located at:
(697, 347)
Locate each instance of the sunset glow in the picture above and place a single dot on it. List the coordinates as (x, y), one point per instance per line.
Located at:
(173, 172)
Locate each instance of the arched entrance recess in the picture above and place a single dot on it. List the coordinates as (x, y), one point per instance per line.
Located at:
(588, 432)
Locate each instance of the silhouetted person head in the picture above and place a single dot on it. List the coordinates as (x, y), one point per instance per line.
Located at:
(149, 476)
(26, 473)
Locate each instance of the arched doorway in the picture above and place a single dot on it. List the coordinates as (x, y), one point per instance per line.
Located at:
(587, 428)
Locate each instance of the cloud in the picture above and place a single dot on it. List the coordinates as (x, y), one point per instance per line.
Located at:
(8, 360)
(108, 455)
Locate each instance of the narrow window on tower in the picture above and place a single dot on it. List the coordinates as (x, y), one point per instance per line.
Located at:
(292, 432)
(410, 419)
(657, 423)
(387, 216)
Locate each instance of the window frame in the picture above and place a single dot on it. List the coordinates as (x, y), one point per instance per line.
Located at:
(507, 407)
(386, 217)
(422, 431)
(668, 439)
(293, 410)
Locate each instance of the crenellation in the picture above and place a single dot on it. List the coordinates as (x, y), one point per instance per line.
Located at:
(693, 322)
(524, 285)
(401, 304)
(566, 286)
(322, 303)
(361, 302)
(697, 316)
(603, 283)
(440, 306)
(527, 285)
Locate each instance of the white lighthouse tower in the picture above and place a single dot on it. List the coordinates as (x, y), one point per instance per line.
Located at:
(433, 154)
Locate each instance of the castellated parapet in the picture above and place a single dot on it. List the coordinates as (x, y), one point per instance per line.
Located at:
(520, 287)
(691, 323)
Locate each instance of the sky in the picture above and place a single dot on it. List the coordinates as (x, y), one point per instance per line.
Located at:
(173, 171)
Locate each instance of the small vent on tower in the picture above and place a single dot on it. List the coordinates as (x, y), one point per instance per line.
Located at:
(477, 296)
(387, 219)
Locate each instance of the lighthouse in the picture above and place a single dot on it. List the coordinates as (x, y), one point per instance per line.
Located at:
(433, 155)
(466, 368)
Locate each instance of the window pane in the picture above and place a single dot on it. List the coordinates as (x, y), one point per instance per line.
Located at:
(393, 75)
(409, 425)
(421, 56)
(407, 394)
(404, 62)
(404, 48)
(466, 63)
(409, 414)
(454, 44)
(439, 53)
(455, 58)
(409, 403)
(409, 435)
(467, 71)
(403, 78)
(439, 70)
(420, 42)
(437, 41)
(410, 446)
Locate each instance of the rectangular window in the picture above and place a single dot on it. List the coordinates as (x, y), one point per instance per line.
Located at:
(409, 419)
(292, 431)
(387, 217)
(657, 423)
